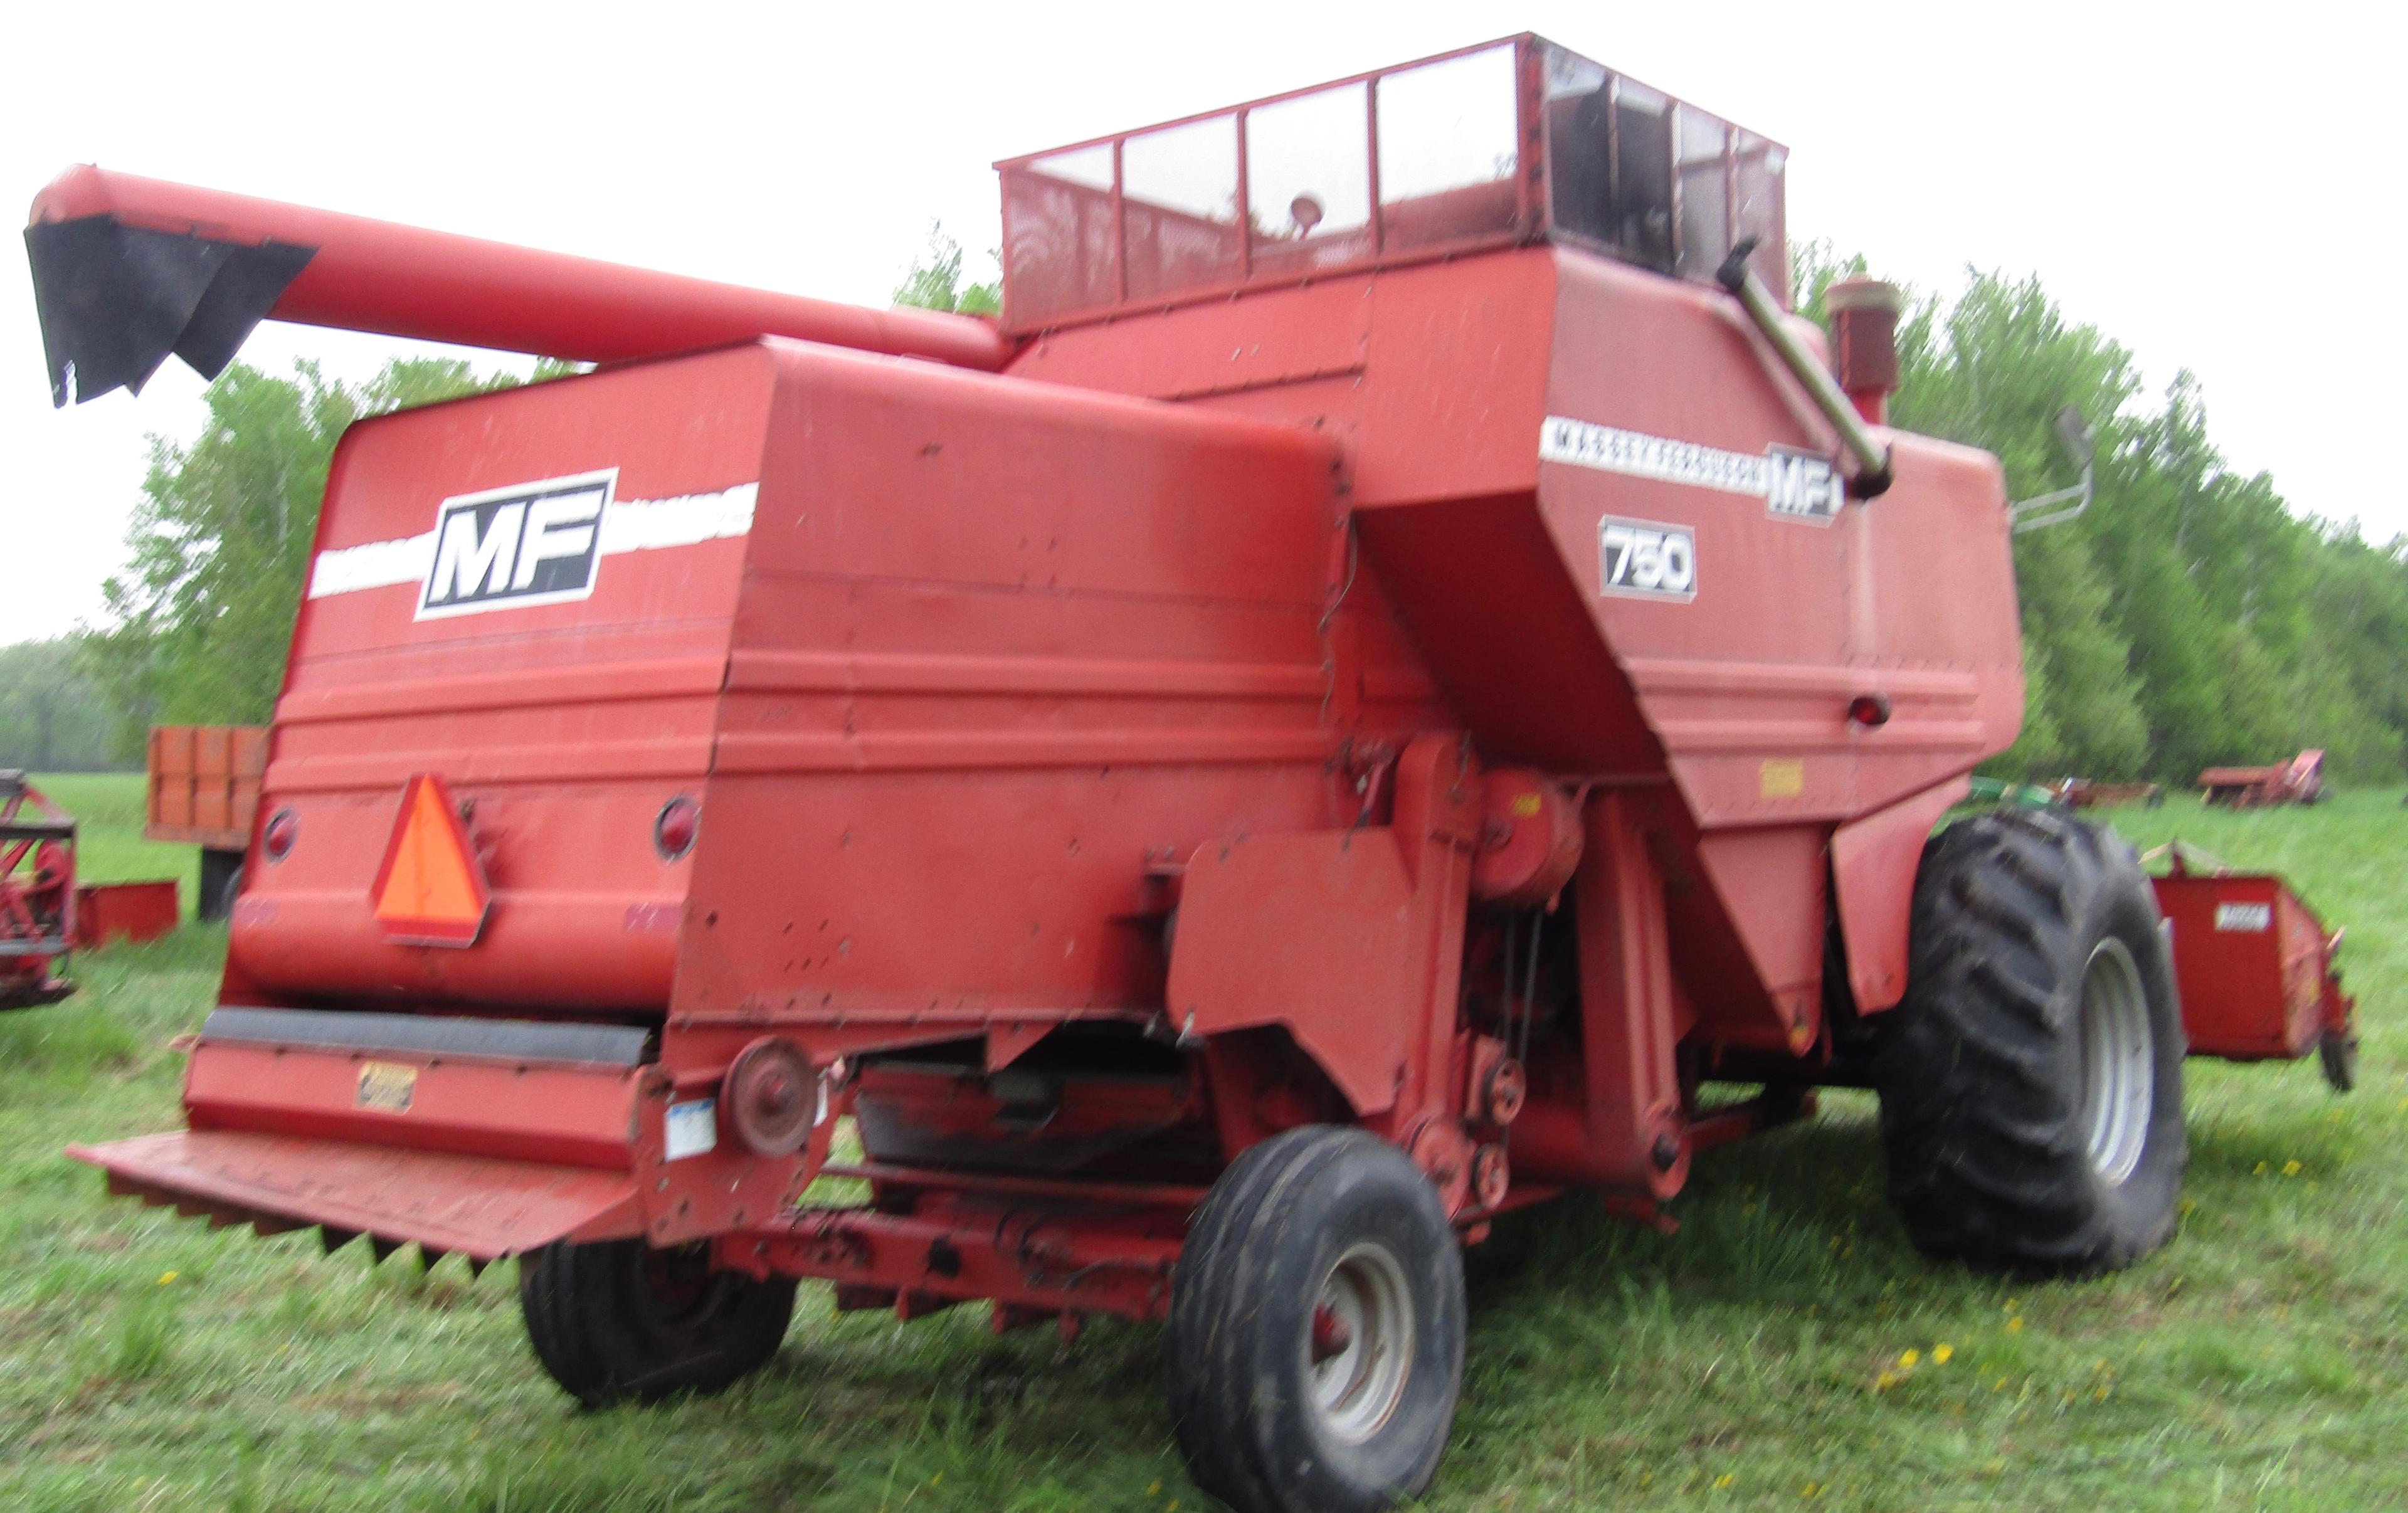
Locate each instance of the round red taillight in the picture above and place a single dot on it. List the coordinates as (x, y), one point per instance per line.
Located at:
(674, 830)
(1869, 710)
(277, 836)
(772, 1097)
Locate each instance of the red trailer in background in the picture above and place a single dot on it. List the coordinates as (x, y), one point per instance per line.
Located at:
(1395, 666)
(2299, 780)
(204, 792)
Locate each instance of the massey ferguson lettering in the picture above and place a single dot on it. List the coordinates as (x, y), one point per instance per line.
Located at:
(529, 543)
(1793, 485)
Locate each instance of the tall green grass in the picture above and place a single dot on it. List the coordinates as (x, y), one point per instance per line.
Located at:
(1786, 1348)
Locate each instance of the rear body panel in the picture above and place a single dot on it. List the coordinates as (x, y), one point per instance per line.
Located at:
(564, 726)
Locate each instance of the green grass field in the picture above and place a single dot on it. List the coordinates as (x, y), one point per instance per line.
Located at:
(1784, 1350)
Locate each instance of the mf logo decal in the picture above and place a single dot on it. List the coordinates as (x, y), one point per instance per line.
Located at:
(1646, 559)
(529, 543)
(1800, 486)
(1793, 485)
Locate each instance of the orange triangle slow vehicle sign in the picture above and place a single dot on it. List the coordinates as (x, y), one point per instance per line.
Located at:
(429, 889)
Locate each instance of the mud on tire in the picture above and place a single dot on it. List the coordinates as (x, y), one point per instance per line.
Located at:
(1316, 1341)
(2031, 1082)
(618, 1321)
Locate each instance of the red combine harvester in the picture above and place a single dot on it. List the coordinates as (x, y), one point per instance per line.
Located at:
(2299, 780)
(1392, 665)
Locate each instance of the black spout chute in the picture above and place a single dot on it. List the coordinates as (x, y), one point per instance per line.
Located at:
(114, 300)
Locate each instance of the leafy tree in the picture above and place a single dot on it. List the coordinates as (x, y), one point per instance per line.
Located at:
(203, 612)
(934, 281)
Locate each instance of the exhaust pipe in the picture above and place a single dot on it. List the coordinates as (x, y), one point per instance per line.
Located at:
(128, 270)
(1870, 476)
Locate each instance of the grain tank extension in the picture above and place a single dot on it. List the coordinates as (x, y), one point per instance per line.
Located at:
(1391, 666)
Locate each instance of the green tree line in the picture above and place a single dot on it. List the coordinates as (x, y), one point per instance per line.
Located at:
(2187, 619)
(54, 717)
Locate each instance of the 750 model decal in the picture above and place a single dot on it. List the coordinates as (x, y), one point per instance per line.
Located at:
(1647, 558)
(1793, 485)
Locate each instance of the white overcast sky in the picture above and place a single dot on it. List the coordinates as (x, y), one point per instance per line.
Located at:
(2215, 185)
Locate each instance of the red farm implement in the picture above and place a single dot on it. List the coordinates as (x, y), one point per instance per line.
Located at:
(37, 895)
(2299, 780)
(1335, 719)
(2243, 942)
(2091, 793)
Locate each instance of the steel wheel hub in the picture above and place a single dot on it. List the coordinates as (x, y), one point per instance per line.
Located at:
(2118, 1062)
(1360, 1345)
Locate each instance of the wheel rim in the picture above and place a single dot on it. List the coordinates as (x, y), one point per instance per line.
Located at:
(1360, 1345)
(2118, 1062)
(680, 1292)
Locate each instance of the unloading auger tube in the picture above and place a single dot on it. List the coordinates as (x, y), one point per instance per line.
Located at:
(128, 270)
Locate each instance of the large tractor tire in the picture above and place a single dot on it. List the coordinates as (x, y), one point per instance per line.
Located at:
(1315, 1342)
(220, 884)
(618, 1321)
(2031, 1082)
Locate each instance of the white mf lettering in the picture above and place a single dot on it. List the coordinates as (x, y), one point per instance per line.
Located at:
(470, 564)
(1802, 486)
(530, 544)
(1647, 558)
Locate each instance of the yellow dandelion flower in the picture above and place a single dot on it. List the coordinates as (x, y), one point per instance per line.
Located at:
(1153, 1489)
(1723, 1481)
(938, 1477)
(1941, 1352)
(1171, 1506)
(2014, 1326)
(167, 1277)
(2002, 1386)
(1883, 1382)
(2258, 1170)
(1908, 1359)
(2290, 1168)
